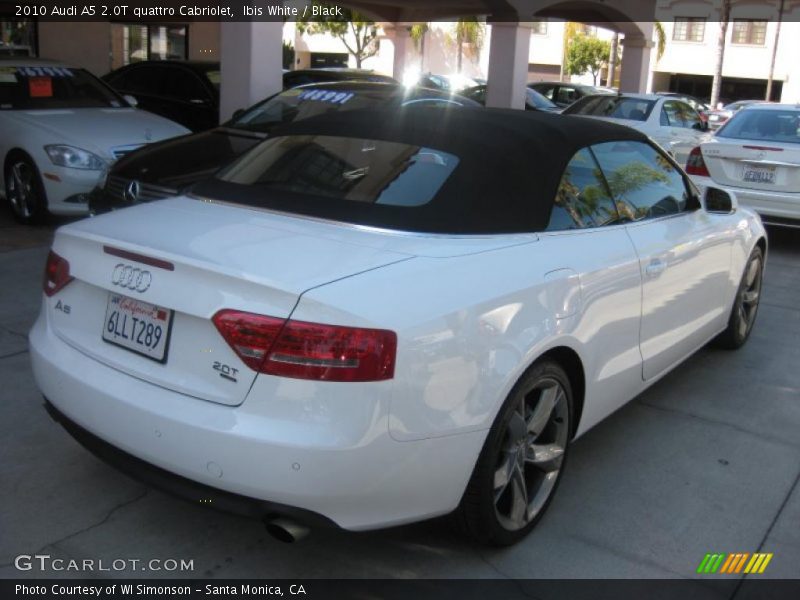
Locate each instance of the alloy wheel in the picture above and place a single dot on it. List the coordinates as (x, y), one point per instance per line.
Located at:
(531, 454)
(749, 296)
(21, 189)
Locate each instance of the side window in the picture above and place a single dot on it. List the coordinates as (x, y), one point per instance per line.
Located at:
(671, 112)
(567, 95)
(642, 180)
(547, 92)
(181, 84)
(582, 199)
(134, 80)
(689, 116)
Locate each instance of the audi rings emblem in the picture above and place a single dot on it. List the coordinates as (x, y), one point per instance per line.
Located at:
(132, 192)
(131, 278)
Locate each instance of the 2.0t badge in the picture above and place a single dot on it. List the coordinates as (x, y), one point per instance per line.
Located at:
(131, 278)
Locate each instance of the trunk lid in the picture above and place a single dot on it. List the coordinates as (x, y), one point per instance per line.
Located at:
(196, 263)
(756, 165)
(202, 257)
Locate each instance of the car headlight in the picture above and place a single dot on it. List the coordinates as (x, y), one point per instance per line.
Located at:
(74, 158)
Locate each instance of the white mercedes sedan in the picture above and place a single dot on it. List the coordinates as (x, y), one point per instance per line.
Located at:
(671, 122)
(377, 317)
(756, 154)
(60, 129)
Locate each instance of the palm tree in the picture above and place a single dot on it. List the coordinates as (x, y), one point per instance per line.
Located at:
(418, 32)
(768, 95)
(724, 16)
(470, 32)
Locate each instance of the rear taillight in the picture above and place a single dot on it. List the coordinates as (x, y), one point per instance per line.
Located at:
(56, 274)
(309, 350)
(695, 165)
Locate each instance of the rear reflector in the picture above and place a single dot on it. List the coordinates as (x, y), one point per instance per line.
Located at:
(309, 350)
(695, 165)
(56, 274)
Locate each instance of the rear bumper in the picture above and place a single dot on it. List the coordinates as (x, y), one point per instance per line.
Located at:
(775, 208)
(178, 486)
(349, 470)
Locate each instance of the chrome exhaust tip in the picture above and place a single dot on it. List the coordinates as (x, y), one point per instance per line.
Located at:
(285, 530)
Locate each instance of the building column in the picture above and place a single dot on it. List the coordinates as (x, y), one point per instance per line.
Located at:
(252, 64)
(635, 73)
(508, 65)
(400, 35)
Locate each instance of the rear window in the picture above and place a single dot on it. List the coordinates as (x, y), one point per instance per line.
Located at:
(343, 169)
(764, 125)
(30, 88)
(615, 107)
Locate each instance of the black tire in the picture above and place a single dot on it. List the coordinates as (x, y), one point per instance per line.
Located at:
(745, 305)
(25, 193)
(482, 512)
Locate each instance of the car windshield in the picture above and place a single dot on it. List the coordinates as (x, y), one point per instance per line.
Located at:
(764, 125)
(32, 88)
(535, 99)
(615, 107)
(302, 103)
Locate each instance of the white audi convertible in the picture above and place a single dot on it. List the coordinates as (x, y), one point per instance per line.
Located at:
(373, 318)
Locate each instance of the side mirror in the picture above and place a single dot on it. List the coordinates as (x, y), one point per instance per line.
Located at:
(701, 126)
(237, 113)
(720, 202)
(131, 100)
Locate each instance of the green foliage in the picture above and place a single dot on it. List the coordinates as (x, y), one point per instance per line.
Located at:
(470, 33)
(288, 55)
(586, 54)
(661, 39)
(417, 33)
(364, 40)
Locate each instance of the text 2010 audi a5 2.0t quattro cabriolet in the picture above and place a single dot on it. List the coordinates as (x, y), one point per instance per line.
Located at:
(373, 318)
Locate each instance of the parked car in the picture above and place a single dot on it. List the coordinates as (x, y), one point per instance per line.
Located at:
(701, 107)
(533, 99)
(756, 154)
(716, 118)
(188, 91)
(331, 74)
(673, 124)
(447, 83)
(167, 169)
(379, 316)
(60, 128)
(564, 94)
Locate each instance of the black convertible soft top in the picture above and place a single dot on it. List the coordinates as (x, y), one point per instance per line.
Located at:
(510, 166)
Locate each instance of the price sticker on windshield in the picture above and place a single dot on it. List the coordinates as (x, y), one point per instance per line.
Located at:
(40, 87)
(329, 96)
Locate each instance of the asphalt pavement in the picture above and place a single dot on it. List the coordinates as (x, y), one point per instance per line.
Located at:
(707, 460)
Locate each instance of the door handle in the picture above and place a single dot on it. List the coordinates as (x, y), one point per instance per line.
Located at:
(655, 268)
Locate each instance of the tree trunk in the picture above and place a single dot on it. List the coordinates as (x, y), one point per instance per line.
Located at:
(768, 95)
(612, 60)
(724, 16)
(460, 44)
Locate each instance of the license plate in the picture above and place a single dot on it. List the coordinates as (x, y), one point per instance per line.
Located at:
(759, 175)
(138, 326)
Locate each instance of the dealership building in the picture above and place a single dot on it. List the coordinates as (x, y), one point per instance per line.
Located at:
(512, 52)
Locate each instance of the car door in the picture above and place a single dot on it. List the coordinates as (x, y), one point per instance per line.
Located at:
(684, 253)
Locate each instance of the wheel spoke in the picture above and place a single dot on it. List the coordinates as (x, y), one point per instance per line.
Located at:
(743, 321)
(503, 474)
(750, 296)
(516, 428)
(519, 498)
(545, 457)
(544, 408)
(752, 272)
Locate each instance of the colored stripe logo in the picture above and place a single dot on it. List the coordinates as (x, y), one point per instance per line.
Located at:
(737, 562)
